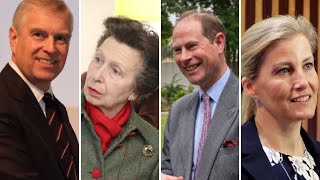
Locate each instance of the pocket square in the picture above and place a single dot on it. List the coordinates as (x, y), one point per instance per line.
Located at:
(230, 143)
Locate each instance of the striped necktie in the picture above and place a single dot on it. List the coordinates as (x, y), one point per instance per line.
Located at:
(205, 125)
(60, 137)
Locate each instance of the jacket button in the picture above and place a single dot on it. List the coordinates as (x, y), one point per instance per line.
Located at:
(96, 173)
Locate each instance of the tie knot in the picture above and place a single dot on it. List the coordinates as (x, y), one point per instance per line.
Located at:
(48, 99)
(205, 97)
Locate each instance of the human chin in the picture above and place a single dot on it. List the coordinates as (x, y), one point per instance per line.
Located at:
(303, 115)
(92, 100)
(48, 76)
(192, 80)
(196, 79)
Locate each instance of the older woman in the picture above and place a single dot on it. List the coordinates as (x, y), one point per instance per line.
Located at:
(116, 142)
(280, 91)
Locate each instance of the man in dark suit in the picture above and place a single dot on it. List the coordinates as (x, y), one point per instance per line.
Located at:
(36, 138)
(202, 131)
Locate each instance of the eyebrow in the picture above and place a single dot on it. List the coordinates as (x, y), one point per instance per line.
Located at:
(37, 30)
(66, 34)
(186, 44)
(308, 58)
(289, 62)
(175, 46)
(100, 53)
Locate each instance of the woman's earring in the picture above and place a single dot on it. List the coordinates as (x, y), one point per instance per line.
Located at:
(256, 100)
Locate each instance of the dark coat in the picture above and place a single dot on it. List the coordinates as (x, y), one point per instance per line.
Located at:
(254, 162)
(27, 149)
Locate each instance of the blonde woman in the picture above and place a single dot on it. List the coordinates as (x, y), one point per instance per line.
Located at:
(280, 91)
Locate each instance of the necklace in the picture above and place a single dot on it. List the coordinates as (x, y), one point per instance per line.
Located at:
(276, 157)
(274, 154)
(303, 165)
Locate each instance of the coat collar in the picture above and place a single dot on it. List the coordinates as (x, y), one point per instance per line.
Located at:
(254, 160)
(225, 115)
(188, 124)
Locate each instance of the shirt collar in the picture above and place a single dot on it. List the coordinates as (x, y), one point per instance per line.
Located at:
(216, 89)
(38, 93)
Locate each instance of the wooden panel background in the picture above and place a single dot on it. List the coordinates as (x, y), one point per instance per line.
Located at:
(255, 10)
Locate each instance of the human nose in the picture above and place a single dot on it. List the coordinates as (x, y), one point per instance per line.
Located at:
(98, 74)
(300, 80)
(49, 45)
(185, 55)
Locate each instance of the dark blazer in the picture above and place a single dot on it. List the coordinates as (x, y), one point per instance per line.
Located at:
(254, 162)
(218, 161)
(27, 149)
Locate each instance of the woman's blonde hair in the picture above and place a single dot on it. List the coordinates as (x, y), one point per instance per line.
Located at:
(260, 36)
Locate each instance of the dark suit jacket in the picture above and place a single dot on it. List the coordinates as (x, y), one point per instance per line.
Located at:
(254, 162)
(218, 161)
(27, 149)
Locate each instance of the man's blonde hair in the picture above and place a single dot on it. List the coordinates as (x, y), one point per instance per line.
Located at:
(56, 6)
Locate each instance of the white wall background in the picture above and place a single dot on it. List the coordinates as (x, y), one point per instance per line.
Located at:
(168, 70)
(93, 13)
(66, 85)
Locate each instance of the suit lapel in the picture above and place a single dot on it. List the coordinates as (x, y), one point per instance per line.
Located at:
(313, 147)
(31, 109)
(224, 117)
(31, 112)
(258, 166)
(254, 160)
(187, 137)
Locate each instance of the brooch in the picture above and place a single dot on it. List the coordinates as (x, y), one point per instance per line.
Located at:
(147, 150)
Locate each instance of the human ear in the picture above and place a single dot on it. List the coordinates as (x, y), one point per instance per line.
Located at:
(13, 37)
(219, 40)
(248, 87)
(133, 96)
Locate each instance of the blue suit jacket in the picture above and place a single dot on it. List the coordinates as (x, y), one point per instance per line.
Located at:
(254, 162)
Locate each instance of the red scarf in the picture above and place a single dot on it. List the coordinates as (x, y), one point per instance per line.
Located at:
(107, 128)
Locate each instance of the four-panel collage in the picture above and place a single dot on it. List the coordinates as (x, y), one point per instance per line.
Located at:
(159, 90)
